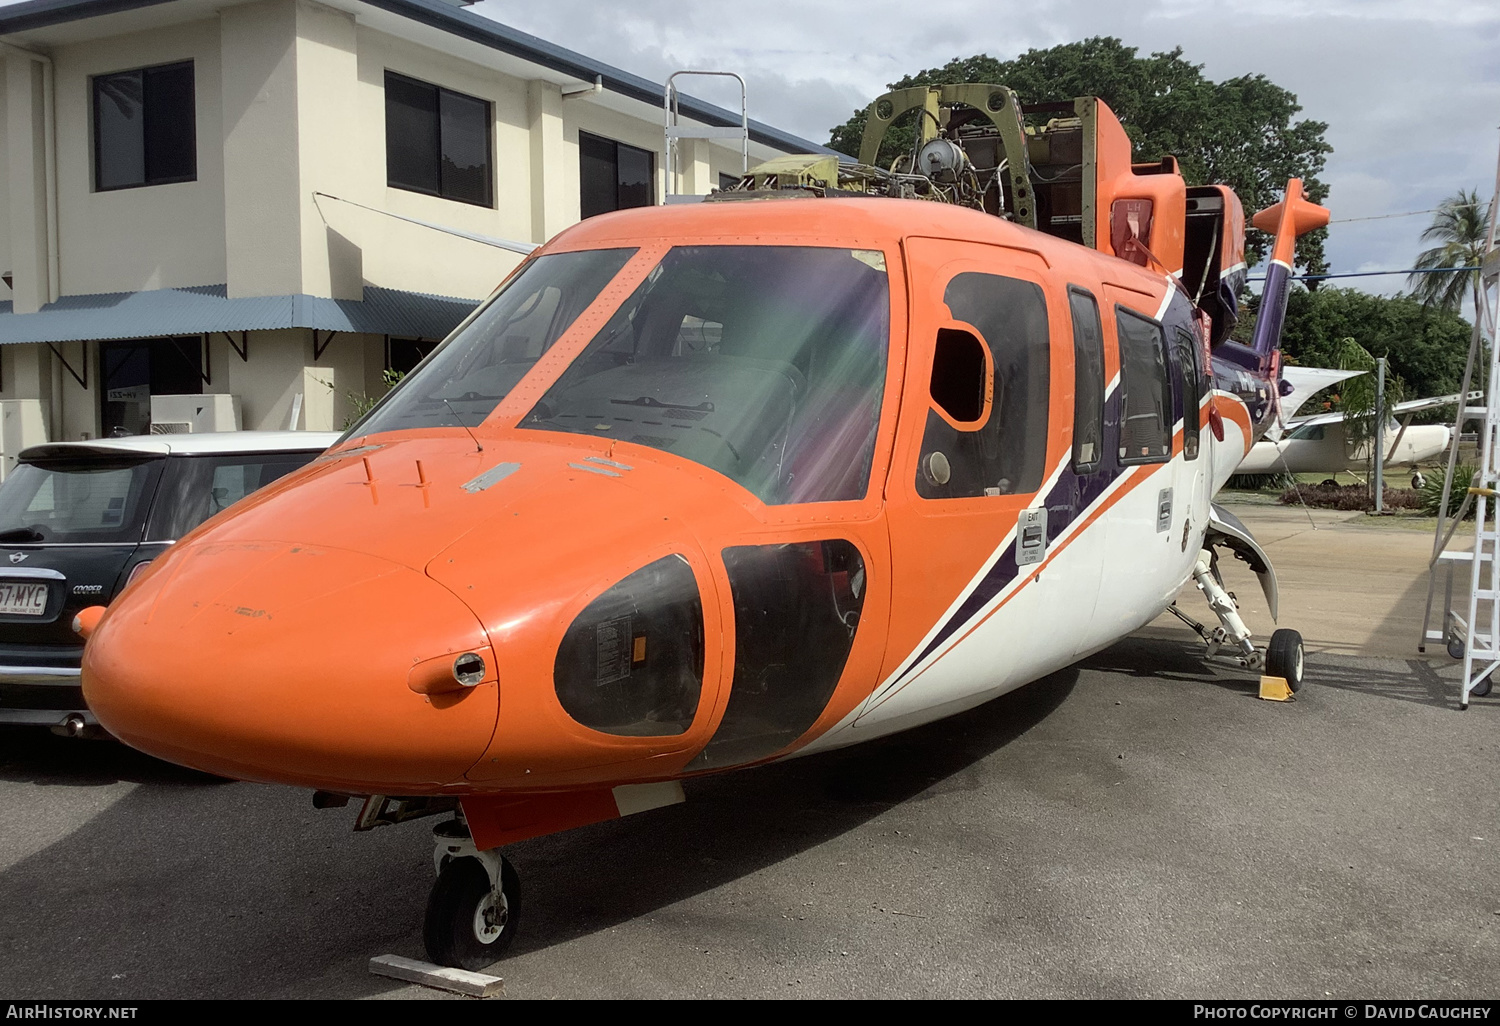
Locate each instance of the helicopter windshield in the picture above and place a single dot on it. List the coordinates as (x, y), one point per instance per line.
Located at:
(764, 363)
(465, 378)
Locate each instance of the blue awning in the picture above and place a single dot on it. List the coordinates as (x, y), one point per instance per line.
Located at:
(207, 308)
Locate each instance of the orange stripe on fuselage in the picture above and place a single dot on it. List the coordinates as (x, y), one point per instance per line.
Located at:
(1233, 408)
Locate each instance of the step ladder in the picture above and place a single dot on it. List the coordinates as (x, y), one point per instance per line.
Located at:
(1471, 618)
(675, 130)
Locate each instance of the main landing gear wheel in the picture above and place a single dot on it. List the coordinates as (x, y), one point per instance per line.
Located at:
(469, 921)
(1284, 658)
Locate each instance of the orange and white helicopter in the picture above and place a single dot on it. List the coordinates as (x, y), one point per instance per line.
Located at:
(840, 452)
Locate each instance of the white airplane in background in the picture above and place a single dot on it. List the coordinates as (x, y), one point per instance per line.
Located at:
(1317, 444)
(1304, 382)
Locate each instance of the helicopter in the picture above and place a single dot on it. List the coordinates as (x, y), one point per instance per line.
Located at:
(840, 451)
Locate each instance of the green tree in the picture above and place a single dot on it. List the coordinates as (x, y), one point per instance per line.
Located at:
(1426, 345)
(1460, 228)
(1239, 132)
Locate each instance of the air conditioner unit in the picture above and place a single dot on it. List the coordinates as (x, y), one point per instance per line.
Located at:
(213, 412)
(22, 424)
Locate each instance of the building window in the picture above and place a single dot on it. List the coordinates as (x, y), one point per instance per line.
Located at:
(402, 354)
(437, 141)
(144, 131)
(135, 371)
(614, 176)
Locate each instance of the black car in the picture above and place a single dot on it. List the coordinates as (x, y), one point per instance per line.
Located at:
(78, 520)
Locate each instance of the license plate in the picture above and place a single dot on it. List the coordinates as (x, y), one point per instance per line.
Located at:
(23, 599)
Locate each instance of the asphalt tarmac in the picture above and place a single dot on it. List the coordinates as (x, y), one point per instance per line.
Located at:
(1138, 826)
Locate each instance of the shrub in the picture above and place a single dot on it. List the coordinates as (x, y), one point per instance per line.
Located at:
(1257, 482)
(1432, 492)
(1350, 497)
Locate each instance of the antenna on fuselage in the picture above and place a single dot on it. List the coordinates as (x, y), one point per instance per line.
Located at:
(461, 424)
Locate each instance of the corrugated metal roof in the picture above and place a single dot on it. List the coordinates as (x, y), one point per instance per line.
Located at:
(466, 25)
(207, 308)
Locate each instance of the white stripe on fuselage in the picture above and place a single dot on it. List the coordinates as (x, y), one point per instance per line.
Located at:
(909, 667)
(978, 625)
(1166, 300)
(910, 670)
(1037, 500)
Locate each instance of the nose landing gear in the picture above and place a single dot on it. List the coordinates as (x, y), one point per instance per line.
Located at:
(475, 905)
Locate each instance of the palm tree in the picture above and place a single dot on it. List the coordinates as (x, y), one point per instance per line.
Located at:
(1357, 401)
(1460, 229)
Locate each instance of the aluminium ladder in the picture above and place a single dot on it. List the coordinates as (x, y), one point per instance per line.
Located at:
(1471, 629)
(674, 130)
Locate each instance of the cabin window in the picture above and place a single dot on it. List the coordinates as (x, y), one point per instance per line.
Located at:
(437, 141)
(1006, 452)
(467, 376)
(144, 130)
(763, 363)
(1146, 434)
(1088, 381)
(796, 611)
(1192, 391)
(631, 664)
(613, 175)
(960, 376)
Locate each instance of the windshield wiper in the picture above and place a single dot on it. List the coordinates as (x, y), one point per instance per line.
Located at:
(470, 396)
(657, 404)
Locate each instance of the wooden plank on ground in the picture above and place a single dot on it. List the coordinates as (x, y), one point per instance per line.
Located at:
(460, 981)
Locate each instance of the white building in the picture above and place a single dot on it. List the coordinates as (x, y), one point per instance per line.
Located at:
(197, 195)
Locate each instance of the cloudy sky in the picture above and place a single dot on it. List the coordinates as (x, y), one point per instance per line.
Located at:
(1410, 91)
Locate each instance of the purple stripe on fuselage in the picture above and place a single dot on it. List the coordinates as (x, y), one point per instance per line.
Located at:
(1236, 368)
(1065, 501)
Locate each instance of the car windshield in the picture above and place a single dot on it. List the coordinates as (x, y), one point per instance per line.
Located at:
(194, 488)
(764, 363)
(68, 502)
(464, 379)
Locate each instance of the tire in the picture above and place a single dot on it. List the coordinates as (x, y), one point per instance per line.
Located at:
(1284, 658)
(1482, 688)
(457, 931)
(1418, 480)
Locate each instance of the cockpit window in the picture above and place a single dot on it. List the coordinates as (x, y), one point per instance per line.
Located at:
(764, 363)
(465, 378)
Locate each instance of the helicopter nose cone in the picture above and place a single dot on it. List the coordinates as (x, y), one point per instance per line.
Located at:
(283, 663)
